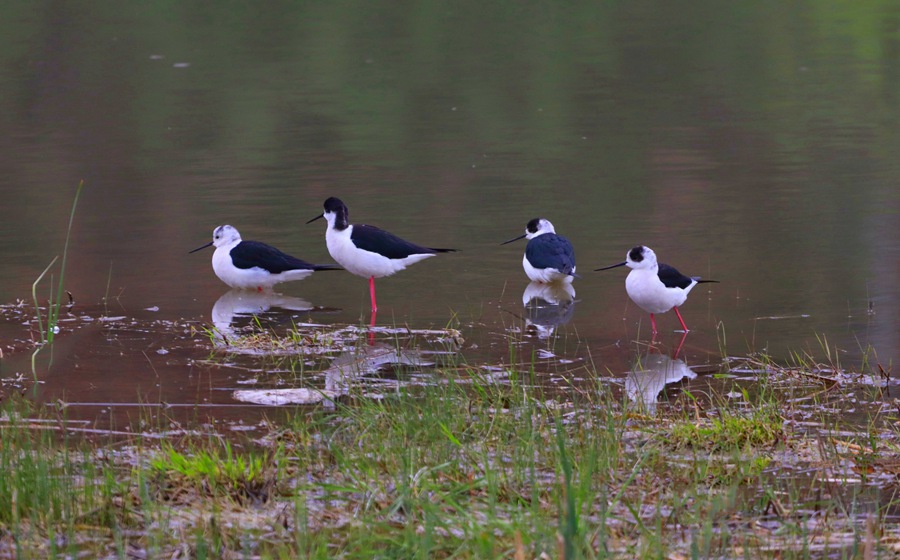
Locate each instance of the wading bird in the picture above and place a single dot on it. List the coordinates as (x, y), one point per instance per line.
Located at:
(254, 265)
(368, 251)
(548, 257)
(656, 287)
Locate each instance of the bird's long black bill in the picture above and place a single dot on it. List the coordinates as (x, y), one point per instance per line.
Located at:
(513, 239)
(610, 266)
(316, 218)
(199, 248)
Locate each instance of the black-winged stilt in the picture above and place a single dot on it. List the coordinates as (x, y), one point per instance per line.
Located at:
(254, 265)
(656, 287)
(548, 257)
(368, 251)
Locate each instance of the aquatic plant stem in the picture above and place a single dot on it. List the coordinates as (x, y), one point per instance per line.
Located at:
(37, 307)
(54, 312)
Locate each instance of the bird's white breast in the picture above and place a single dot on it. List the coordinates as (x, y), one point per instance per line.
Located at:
(646, 290)
(544, 274)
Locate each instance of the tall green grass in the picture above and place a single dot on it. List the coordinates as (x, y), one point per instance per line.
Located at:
(54, 305)
(48, 490)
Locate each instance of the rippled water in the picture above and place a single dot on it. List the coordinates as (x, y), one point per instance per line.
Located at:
(754, 145)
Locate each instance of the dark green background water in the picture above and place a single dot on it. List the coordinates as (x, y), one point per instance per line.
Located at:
(753, 143)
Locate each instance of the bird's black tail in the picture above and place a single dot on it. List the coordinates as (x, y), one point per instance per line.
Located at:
(443, 250)
(706, 281)
(318, 267)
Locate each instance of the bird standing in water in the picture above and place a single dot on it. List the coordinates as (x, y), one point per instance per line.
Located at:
(548, 257)
(368, 251)
(656, 287)
(254, 265)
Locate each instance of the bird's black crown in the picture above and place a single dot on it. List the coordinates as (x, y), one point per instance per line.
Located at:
(334, 204)
(533, 225)
(339, 209)
(637, 254)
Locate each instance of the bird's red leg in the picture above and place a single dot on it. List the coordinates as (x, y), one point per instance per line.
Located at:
(372, 329)
(653, 323)
(680, 344)
(372, 293)
(683, 326)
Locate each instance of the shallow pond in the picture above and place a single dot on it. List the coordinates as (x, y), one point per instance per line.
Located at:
(757, 148)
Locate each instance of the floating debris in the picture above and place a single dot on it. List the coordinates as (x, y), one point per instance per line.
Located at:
(781, 317)
(280, 397)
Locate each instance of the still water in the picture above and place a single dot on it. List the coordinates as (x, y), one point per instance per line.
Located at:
(756, 145)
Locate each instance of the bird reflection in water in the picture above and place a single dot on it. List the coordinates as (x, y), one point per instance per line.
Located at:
(367, 359)
(356, 367)
(547, 306)
(652, 372)
(236, 304)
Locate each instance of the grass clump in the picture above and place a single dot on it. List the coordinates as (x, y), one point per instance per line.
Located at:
(49, 491)
(751, 422)
(218, 471)
(730, 430)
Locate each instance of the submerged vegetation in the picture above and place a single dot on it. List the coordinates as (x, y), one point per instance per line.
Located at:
(469, 462)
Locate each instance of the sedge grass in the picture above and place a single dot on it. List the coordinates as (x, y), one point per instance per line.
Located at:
(54, 305)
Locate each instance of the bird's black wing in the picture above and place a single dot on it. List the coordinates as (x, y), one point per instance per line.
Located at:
(376, 240)
(671, 278)
(551, 251)
(248, 254)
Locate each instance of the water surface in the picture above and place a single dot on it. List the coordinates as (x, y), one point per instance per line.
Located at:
(754, 145)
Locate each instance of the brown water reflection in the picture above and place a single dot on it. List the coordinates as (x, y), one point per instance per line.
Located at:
(752, 145)
(124, 370)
